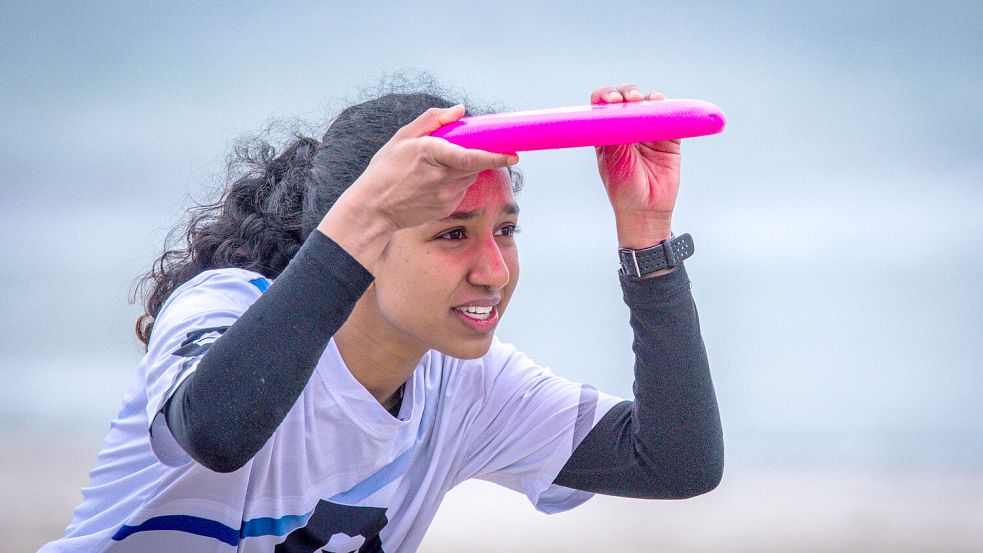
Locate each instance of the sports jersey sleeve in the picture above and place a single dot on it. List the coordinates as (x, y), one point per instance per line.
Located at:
(191, 320)
(527, 426)
(668, 442)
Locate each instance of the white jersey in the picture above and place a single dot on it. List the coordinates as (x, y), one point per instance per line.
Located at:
(340, 473)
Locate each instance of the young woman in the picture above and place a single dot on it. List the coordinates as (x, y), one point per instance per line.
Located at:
(321, 361)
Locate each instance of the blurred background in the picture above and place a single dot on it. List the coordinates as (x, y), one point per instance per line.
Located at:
(838, 223)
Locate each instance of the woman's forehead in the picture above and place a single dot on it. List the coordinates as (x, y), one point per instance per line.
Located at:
(491, 189)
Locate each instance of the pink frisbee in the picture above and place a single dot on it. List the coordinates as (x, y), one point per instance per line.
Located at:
(592, 125)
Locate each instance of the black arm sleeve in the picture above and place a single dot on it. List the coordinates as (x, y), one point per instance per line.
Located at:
(668, 443)
(251, 376)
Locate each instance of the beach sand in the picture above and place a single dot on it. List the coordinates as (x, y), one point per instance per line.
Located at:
(789, 511)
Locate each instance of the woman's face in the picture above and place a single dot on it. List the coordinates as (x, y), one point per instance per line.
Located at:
(444, 285)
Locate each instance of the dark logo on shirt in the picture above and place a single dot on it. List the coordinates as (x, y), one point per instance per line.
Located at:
(197, 342)
(330, 519)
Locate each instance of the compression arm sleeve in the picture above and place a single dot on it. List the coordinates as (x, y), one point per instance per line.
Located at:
(250, 377)
(668, 443)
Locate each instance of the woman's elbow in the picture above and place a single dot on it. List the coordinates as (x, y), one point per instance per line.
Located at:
(683, 476)
(204, 434)
(703, 480)
(698, 465)
(217, 462)
(202, 444)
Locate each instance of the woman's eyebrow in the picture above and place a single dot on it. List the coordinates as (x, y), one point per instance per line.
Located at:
(507, 209)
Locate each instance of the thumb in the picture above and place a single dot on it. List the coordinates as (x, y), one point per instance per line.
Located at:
(431, 120)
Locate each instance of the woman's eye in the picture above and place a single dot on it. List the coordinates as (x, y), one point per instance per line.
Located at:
(509, 230)
(456, 234)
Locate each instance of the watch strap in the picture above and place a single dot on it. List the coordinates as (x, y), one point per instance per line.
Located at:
(666, 255)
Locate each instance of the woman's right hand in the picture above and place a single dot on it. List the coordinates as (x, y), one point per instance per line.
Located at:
(413, 179)
(416, 178)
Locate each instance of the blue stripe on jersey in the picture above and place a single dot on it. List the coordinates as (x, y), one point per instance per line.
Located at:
(267, 526)
(183, 523)
(263, 526)
(376, 481)
(261, 283)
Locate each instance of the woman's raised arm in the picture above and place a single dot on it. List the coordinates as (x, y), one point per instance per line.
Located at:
(250, 377)
(668, 443)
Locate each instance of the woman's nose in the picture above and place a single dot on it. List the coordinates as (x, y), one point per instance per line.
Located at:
(489, 268)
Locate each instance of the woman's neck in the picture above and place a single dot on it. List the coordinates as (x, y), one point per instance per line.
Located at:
(376, 358)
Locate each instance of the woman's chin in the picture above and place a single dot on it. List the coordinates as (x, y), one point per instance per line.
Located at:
(474, 350)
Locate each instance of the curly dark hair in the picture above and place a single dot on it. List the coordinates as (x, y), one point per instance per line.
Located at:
(273, 200)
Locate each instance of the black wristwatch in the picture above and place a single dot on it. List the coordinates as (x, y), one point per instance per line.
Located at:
(666, 255)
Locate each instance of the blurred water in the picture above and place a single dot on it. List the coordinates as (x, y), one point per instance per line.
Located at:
(838, 220)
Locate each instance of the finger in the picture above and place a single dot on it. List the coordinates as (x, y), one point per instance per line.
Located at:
(605, 94)
(656, 96)
(475, 161)
(468, 160)
(630, 92)
(431, 120)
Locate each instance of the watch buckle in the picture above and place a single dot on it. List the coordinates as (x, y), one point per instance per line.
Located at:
(634, 260)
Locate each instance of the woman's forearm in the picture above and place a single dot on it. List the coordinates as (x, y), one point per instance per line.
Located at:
(250, 377)
(668, 443)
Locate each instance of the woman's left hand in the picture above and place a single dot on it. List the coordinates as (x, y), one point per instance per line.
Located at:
(641, 179)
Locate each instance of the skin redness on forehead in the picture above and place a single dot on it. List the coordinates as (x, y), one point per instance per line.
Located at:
(490, 188)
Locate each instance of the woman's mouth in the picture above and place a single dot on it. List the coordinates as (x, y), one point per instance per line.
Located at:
(478, 317)
(479, 312)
